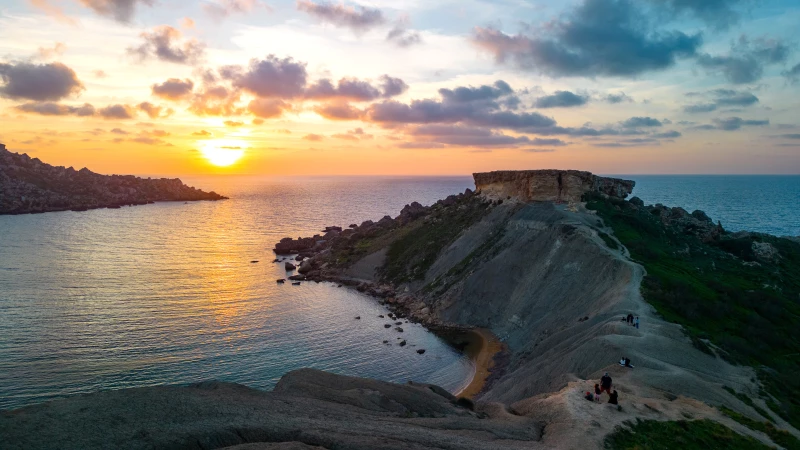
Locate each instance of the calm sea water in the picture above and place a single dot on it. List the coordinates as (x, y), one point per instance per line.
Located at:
(166, 293)
(763, 203)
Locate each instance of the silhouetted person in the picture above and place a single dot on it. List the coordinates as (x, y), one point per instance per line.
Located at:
(630, 319)
(613, 399)
(605, 383)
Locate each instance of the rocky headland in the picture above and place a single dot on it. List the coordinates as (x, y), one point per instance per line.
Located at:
(547, 263)
(28, 185)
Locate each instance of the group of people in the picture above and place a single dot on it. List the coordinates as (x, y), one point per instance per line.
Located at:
(625, 362)
(631, 320)
(604, 385)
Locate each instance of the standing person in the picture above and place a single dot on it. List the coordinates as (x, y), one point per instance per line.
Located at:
(597, 393)
(630, 319)
(605, 384)
(614, 398)
(636, 322)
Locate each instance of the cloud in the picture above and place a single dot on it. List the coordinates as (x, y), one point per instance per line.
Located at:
(466, 94)
(271, 77)
(415, 145)
(735, 123)
(338, 111)
(203, 133)
(401, 36)
(215, 101)
(561, 99)
(551, 142)
(56, 109)
(538, 150)
(233, 123)
(313, 137)
(119, 131)
(173, 89)
(99, 74)
(746, 61)
(353, 89)
(720, 98)
(164, 43)
(793, 74)
(636, 122)
(667, 135)
(598, 38)
(462, 135)
(359, 18)
(49, 52)
(153, 111)
(147, 140)
(225, 8)
(116, 112)
(119, 10)
(790, 136)
(267, 108)
(38, 82)
(718, 13)
(347, 137)
(617, 98)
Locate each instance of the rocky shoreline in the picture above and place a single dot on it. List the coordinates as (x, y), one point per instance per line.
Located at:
(30, 186)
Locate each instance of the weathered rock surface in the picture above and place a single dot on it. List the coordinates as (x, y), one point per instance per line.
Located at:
(548, 185)
(28, 185)
(307, 408)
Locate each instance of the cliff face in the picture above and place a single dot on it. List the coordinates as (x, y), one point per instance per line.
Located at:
(28, 185)
(548, 185)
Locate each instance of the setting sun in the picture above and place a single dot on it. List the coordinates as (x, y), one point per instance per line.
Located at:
(222, 153)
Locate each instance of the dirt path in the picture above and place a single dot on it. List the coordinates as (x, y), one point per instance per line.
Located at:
(482, 348)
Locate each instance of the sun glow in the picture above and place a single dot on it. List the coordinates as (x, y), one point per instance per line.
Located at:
(222, 152)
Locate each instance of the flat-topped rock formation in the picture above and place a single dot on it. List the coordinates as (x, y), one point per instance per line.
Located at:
(548, 185)
(28, 185)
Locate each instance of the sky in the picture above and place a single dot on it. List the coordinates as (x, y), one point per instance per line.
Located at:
(417, 87)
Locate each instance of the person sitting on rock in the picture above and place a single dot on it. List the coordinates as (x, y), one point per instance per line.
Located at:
(589, 396)
(627, 362)
(622, 361)
(614, 398)
(605, 383)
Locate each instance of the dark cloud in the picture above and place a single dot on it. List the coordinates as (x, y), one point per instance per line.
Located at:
(56, 109)
(717, 13)
(720, 98)
(472, 94)
(735, 123)
(271, 77)
(467, 136)
(267, 108)
(391, 86)
(561, 99)
(791, 136)
(746, 61)
(116, 112)
(119, 10)
(165, 43)
(153, 111)
(628, 143)
(598, 38)
(416, 145)
(119, 131)
(636, 122)
(38, 82)
(359, 18)
(338, 110)
(793, 74)
(617, 98)
(313, 137)
(550, 142)
(353, 89)
(668, 135)
(173, 89)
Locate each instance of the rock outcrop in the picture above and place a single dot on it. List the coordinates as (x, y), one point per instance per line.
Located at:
(548, 185)
(28, 185)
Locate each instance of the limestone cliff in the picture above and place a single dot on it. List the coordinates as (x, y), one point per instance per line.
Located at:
(548, 185)
(28, 185)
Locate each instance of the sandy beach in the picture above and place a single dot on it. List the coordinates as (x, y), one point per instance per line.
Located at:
(482, 347)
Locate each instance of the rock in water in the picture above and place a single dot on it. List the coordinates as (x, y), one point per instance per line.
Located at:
(289, 266)
(421, 351)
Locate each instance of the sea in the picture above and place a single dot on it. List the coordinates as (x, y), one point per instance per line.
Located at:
(169, 293)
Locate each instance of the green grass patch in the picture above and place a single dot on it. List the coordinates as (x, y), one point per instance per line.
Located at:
(749, 402)
(410, 256)
(610, 242)
(683, 434)
(714, 288)
(780, 437)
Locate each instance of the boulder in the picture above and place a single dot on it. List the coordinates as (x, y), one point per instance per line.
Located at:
(289, 266)
(421, 351)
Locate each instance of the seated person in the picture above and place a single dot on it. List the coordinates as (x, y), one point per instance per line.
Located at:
(613, 398)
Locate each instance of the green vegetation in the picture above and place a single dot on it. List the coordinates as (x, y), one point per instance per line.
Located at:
(780, 437)
(610, 242)
(685, 435)
(749, 402)
(410, 256)
(714, 285)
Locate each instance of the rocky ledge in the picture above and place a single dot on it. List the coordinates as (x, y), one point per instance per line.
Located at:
(28, 185)
(567, 186)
